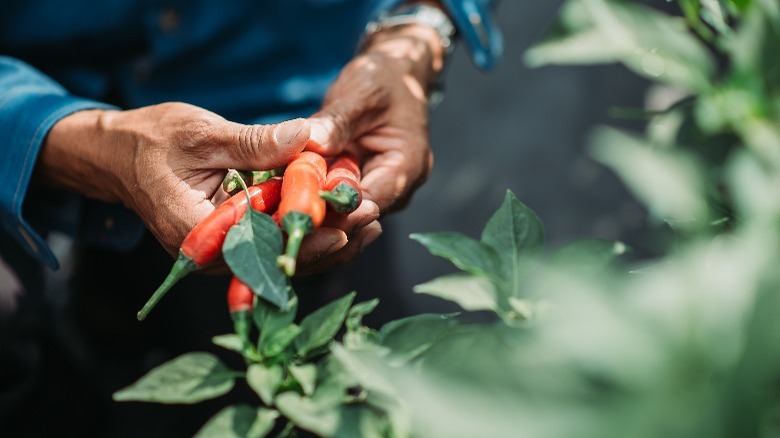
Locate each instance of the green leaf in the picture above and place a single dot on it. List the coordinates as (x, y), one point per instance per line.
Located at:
(319, 328)
(358, 311)
(280, 340)
(515, 232)
(468, 291)
(754, 187)
(588, 254)
(231, 342)
(270, 319)
(357, 334)
(360, 420)
(714, 14)
(366, 369)
(306, 376)
(316, 414)
(514, 229)
(464, 252)
(188, 379)
(669, 183)
(408, 338)
(250, 249)
(647, 41)
(749, 46)
(357, 368)
(521, 310)
(239, 421)
(264, 381)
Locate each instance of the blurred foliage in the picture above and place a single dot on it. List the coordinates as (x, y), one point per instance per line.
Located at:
(579, 342)
(683, 345)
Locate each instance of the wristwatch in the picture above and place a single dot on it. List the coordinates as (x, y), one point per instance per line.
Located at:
(472, 20)
(424, 15)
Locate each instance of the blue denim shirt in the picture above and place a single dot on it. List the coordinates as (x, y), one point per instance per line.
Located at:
(251, 61)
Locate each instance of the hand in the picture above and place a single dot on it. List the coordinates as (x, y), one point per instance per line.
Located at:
(339, 239)
(377, 109)
(165, 162)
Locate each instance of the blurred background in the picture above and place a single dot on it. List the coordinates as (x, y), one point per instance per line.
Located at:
(526, 130)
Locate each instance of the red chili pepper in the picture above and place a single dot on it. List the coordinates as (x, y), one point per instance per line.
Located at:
(203, 244)
(342, 184)
(301, 209)
(240, 297)
(232, 183)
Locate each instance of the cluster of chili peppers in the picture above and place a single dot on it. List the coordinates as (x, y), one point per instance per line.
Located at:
(297, 200)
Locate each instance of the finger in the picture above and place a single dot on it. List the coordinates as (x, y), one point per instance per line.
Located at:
(391, 178)
(327, 138)
(320, 242)
(260, 147)
(336, 233)
(220, 196)
(366, 213)
(337, 123)
(345, 254)
(385, 182)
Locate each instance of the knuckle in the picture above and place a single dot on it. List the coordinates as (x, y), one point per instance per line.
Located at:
(201, 129)
(340, 119)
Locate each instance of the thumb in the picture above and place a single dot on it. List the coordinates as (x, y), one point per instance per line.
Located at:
(333, 127)
(260, 147)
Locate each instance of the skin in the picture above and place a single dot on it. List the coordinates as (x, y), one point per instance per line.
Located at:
(167, 162)
(377, 109)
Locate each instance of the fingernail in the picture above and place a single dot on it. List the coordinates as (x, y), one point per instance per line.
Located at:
(287, 132)
(331, 239)
(321, 130)
(319, 133)
(373, 212)
(337, 244)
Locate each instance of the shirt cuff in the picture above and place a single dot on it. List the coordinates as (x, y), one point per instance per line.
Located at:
(27, 117)
(473, 20)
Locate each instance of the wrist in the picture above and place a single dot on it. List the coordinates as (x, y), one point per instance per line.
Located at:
(79, 156)
(419, 32)
(417, 49)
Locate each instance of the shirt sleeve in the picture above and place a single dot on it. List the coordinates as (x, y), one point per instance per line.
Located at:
(475, 25)
(30, 104)
(478, 30)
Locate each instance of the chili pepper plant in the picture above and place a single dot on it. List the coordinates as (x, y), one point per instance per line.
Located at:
(578, 341)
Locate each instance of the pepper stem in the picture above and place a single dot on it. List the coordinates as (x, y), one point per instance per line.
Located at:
(232, 182)
(241, 325)
(343, 198)
(236, 176)
(181, 268)
(259, 176)
(297, 225)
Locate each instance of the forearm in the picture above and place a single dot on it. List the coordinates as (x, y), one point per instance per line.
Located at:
(417, 35)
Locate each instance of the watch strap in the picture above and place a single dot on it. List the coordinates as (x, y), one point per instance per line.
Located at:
(422, 14)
